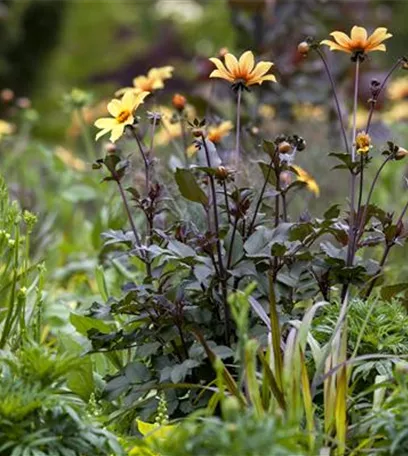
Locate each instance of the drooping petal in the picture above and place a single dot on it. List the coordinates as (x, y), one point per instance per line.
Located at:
(221, 68)
(334, 46)
(102, 133)
(121, 91)
(117, 132)
(232, 64)
(260, 69)
(341, 38)
(246, 63)
(114, 107)
(105, 122)
(222, 75)
(380, 47)
(139, 99)
(358, 37)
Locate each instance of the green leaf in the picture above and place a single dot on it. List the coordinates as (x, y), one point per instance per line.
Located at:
(81, 381)
(238, 246)
(269, 147)
(79, 192)
(388, 292)
(189, 187)
(101, 282)
(83, 324)
(265, 171)
(180, 371)
(332, 213)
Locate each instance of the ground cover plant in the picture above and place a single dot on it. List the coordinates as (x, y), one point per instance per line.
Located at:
(206, 312)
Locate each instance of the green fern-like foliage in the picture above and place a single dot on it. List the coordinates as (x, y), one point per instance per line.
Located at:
(39, 415)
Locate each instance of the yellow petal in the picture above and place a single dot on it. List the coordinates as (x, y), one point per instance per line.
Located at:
(260, 69)
(334, 46)
(232, 64)
(101, 133)
(114, 107)
(128, 101)
(221, 68)
(222, 75)
(358, 36)
(139, 99)
(260, 80)
(105, 122)
(246, 62)
(123, 90)
(117, 132)
(380, 47)
(341, 38)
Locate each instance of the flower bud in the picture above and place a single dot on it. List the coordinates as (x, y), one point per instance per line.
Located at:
(222, 52)
(401, 153)
(221, 173)
(197, 132)
(7, 95)
(23, 103)
(284, 147)
(303, 48)
(110, 148)
(363, 143)
(179, 101)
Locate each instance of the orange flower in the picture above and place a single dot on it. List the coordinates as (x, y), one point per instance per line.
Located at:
(398, 89)
(154, 80)
(363, 143)
(216, 133)
(304, 176)
(358, 41)
(243, 70)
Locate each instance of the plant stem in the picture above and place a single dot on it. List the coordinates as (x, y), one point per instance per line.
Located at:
(258, 204)
(387, 249)
(374, 99)
(184, 137)
(336, 99)
(223, 277)
(234, 230)
(227, 207)
(145, 160)
(238, 128)
(284, 207)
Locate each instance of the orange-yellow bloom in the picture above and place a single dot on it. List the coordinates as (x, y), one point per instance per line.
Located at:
(398, 89)
(363, 143)
(122, 112)
(5, 128)
(218, 132)
(243, 70)
(154, 80)
(305, 177)
(358, 41)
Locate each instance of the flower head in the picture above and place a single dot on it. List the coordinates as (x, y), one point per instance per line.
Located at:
(242, 71)
(217, 132)
(363, 143)
(5, 128)
(154, 80)
(358, 42)
(398, 89)
(122, 112)
(303, 176)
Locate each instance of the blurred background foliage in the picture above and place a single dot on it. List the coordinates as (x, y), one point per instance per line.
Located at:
(47, 48)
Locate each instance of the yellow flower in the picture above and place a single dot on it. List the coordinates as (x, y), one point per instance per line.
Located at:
(243, 70)
(122, 112)
(5, 128)
(398, 89)
(358, 41)
(363, 143)
(398, 112)
(305, 177)
(154, 80)
(168, 129)
(68, 158)
(218, 132)
(150, 433)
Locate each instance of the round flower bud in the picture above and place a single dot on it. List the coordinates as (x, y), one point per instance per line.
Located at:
(221, 173)
(110, 148)
(284, 147)
(401, 153)
(303, 48)
(222, 52)
(179, 101)
(7, 95)
(197, 132)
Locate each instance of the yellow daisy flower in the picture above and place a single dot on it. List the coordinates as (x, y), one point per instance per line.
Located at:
(5, 128)
(358, 41)
(122, 112)
(69, 159)
(243, 70)
(217, 132)
(398, 89)
(397, 113)
(154, 80)
(305, 177)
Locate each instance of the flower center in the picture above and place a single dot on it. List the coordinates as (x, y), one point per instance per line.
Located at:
(123, 116)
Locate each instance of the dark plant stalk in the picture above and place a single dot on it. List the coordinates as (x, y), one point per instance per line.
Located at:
(387, 250)
(374, 99)
(223, 277)
(184, 137)
(284, 207)
(259, 202)
(227, 206)
(234, 230)
(238, 128)
(145, 160)
(370, 192)
(336, 99)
